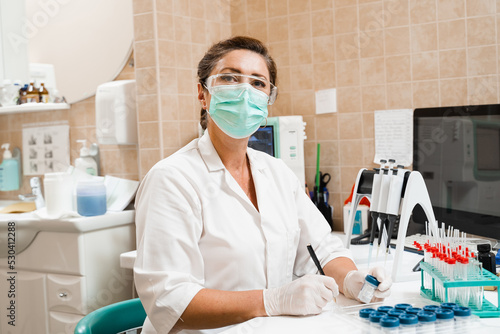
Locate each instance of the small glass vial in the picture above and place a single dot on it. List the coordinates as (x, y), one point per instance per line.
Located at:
(408, 324)
(91, 197)
(389, 324)
(385, 309)
(462, 316)
(449, 306)
(375, 321)
(402, 306)
(445, 320)
(364, 314)
(368, 289)
(431, 308)
(413, 310)
(427, 322)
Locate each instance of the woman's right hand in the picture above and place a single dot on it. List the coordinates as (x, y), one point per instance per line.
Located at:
(306, 295)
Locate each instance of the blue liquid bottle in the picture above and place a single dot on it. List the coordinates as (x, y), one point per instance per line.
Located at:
(91, 197)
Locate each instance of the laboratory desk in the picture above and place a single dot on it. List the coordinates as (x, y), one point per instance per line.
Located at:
(339, 317)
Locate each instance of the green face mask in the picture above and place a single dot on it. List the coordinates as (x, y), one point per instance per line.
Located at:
(238, 110)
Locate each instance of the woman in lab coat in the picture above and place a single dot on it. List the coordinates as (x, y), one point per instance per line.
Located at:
(222, 229)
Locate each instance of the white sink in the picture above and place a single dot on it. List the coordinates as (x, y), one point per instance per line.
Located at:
(21, 229)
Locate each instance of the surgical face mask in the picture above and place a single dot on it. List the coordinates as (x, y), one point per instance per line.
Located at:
(238, 110)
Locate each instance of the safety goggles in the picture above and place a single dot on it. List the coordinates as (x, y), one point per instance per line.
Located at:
(231, 79)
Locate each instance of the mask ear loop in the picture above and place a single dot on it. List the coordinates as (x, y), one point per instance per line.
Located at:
(264, 124)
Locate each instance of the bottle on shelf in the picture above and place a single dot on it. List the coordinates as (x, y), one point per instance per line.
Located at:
(43, 93)
(32, 95)
(23, 91)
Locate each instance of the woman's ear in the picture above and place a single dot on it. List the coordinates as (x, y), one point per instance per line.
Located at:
(202, 97)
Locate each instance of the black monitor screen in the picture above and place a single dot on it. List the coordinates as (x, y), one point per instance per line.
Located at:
(457, 151)
(263, 140)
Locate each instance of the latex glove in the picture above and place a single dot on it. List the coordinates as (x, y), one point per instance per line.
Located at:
(306, 295)
(353, 282)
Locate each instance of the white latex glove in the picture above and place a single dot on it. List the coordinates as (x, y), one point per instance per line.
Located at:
(306, 295)
(353, 282)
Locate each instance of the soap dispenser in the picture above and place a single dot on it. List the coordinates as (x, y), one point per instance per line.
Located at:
(85, 162)
(9, 171)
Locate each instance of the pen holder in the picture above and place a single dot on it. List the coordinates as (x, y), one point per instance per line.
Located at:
(439, 281)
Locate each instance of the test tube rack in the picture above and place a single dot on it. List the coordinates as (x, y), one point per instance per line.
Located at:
(488, 310)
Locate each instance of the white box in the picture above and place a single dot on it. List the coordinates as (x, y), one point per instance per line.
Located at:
(360, 218)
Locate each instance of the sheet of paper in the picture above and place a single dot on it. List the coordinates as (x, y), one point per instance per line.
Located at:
(45, 149)
(394, 136)
(326, 101)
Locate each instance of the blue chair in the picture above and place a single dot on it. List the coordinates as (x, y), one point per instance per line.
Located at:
(114, 318)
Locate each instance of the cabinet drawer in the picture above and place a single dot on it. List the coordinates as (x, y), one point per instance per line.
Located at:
(63, 323)
(66, 293)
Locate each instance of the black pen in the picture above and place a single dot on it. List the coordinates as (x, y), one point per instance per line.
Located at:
(315, 259)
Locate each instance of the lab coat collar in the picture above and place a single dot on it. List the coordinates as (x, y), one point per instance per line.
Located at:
(212, 159)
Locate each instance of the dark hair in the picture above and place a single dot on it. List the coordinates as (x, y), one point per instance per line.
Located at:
(220, 49)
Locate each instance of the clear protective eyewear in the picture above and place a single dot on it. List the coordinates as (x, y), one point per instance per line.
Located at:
(228, 79)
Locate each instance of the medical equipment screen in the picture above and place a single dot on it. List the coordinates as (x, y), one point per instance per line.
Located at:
(457, 151)
(263, 140)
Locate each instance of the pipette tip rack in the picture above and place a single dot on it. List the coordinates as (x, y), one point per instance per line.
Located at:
(488, 310)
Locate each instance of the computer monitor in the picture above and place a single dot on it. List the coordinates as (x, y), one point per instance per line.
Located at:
(457, 151)
(264, 140)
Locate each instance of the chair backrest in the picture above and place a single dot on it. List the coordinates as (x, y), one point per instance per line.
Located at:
(114, 318)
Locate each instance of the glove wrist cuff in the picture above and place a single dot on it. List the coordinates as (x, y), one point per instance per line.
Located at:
(347, 291)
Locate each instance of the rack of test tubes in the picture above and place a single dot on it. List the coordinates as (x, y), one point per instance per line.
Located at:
(412, 316)
(452, 273)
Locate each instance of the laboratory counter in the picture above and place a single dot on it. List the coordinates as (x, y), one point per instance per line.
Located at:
(342, 317)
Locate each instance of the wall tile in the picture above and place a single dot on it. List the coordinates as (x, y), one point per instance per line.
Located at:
(322, 23)
(483, 7)
(399, 96)
(398, 68)
(346, 20)
(302, 53)
(368, 152)
(481, 31)
(280, 53)
(259, 30)
(145, 54)
(166, 50)
(396, 13)
(169, 108)
(188, 131)
(450, 9)
(166, 6)
(182, 28)
(422, 11)
(321, 4)
(372, 71)
(347, 73)
(147, 158)
(197, 8)
(299, 26)
(452, 34)
(168, 81)
(370, 16)
(373, 98)
(277, 8)
(183, 58)
(482, 60)
(147, 108)
(278, 31)
(453, 63)
(296, 7)
(324, 76)
(347, 46)
(453, 92)
(171, 134)
(369, 125)
(166, 28)
(483, 90)
(349, 99)
(142, 6)
(326, 127)
(180, 7)
(371, 43)
(143, 27)
(424, 37)
(351, 153)
(350, 126)
(397, 40)
(146, 82)
(425, 66)
(189, 107)
(256, 10)
(329, 155)
(323, 49)
(282, 106)
(303, 102)
(198, 31)
(149, 135)
(425, 94)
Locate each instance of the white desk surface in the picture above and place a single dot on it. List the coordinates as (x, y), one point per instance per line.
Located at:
(335, 317)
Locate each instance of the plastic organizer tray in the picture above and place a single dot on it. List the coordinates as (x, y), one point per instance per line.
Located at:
(488, 310)
(351, 314)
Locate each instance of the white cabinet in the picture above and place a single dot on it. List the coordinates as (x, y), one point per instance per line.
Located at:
(63, 276)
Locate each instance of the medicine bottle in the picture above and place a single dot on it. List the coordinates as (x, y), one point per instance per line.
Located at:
(91, 197)
(395, 313)
(408, 324)
(375, 319)
(413, 310)
(58, 190)
(389, 325)
(402, 306)
(43, 93)
(364, 314)
(427, 322)
(385, 309)
(449, 306)
(462, 317)
(444, 320)
(431, 308)
(368, 289)
(487, 258)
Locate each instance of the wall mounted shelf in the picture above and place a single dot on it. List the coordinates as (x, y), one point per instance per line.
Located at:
(33, 107)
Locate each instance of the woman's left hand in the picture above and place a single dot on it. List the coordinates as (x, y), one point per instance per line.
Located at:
(354, 280)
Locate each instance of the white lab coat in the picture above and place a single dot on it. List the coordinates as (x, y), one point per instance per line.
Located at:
(196, 229)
